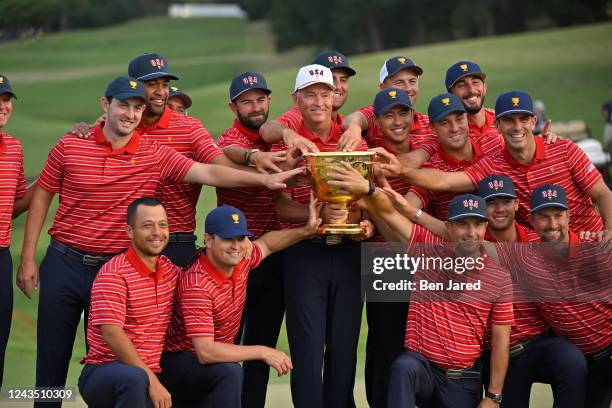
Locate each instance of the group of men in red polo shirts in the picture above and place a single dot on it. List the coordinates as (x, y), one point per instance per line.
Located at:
(162, 336)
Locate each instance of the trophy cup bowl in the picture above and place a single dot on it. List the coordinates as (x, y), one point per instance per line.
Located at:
(319, 165)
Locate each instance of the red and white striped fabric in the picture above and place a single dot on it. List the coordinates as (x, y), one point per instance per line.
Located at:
(487, 131)
(301, 193)
(96, 184)
(421, 136)
(257, 204)
(293, 119)
(12, 183)
(562, 163)
(585, 323)
(188, 137)
(126, 293)
(453, 334)
(209, 303)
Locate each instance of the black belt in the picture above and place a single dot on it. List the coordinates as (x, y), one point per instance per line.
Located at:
(458, 374)
(88, 259)
(182, 238)
(601, 355)
(519, 348)
(2, 249)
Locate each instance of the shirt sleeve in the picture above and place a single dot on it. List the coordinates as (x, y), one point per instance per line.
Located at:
(583, 171)
(502, 312)
(372, 131)
(425, 196)
(108, 298)
(205, 148)
(255, 258)
(197, 308)
(232, 137)
(52, 173)
(291, 119)
(21, 181)
(173, 166)
(480, 170)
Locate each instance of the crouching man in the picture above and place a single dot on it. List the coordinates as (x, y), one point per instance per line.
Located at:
(200, 364)
(131, 303)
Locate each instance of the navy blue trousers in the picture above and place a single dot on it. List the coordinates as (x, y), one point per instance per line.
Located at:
(262, 321)
(386, 334)
(6, 303)
(195, 385)
(414, 380)
(323, 306)
(65, 287)
(114, 385)
(548, 359)
(599, 383)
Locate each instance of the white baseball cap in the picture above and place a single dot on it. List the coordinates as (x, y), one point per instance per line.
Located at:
(314, 74)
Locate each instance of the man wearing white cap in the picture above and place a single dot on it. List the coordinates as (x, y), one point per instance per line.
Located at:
(322, 282)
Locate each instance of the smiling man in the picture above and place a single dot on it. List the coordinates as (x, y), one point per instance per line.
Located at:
(96, 179)
(125, 339)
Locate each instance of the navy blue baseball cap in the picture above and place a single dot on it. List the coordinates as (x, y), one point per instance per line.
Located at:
(388, 98)
(548, 195)
(124, 88)
(5, 86)
(150, 66)
(332, 60)
(442, 105)
(175, 92)
(496, 186)
(466, 205)
(513, 102)
(395, 64)
(462, 69)
(245, 82)
(226, 222)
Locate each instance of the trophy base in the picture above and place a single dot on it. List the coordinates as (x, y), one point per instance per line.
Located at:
(340, 229)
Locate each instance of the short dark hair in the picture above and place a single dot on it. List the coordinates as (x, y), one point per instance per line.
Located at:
(133, 207)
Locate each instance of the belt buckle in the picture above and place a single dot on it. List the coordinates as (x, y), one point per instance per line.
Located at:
(91, 260)
(454, 374)
(516, 350)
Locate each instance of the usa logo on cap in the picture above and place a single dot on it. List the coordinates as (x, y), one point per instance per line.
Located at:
(158, 63)
(471, 204)
(249, 80)
(550, 194)
(496, 184)
(315, 72)
(335, 59)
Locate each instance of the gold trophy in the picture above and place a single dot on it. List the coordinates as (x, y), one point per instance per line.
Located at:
(318, 165)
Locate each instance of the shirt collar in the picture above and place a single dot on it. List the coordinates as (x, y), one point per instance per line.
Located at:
(489, 122)
(130, 147)
(142, 269)
(540, 153)
(521, 234)
(462, 163)
(334, 135)
(162, 123)
(219, 277)
(251, 134)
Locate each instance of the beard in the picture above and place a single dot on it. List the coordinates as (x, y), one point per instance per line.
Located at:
(250, 122)
(474, 110)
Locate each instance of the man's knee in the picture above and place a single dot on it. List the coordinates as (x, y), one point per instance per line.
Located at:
(231, 374)
(133, 378)
(570, 360)
(405, 365)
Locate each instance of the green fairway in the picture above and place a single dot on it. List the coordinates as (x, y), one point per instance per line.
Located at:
(60, 78)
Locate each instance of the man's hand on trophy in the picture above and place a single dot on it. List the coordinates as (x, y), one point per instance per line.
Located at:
(348, 179)
(368, 230)
(334, 213)
(314, 215)
(388, 163)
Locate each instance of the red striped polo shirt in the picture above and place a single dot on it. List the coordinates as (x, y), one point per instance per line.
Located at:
(421, 136)
(126, 293)
(528, 321)
(562, 163)
(294, 120)
(453, 334)
(12, 183)
(439, 201)
(96, 184)
(488, 130)
(188, 137)
(301, 193)
(257, 204)
(209, 303)
(586, 324)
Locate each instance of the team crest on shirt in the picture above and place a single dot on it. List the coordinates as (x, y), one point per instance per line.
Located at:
(445, 101)
(249, 80)
(550, 194)
(471, 204)
(316, 72)
(236, 218)
(133, 161)
(496, 184)
(133, 84)
(402, 60)
(158, 63)
(463, 67)
(515, 101)
(393, 94)
(334, 59)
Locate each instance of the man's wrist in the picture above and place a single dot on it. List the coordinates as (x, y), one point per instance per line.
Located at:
(494, 396)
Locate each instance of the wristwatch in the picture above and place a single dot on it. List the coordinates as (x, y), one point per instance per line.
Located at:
(371, 189)
(497, 398)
